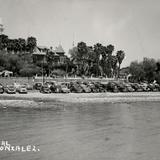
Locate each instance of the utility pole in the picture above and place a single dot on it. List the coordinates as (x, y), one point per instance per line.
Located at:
(73, 43)
(43, 71)
(1, 27)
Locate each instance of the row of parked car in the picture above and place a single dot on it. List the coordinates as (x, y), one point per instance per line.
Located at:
(94, 87)
(80, 87)
(12, 88)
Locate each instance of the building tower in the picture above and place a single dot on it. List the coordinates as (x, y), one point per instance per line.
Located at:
(1, 27)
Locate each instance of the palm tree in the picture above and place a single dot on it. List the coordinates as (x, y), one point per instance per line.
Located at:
(110, 49)
(75, 58)
(98, 49)
(31, 44)
(120, 56)
(114, 65)
(108, 60)
(50, 61)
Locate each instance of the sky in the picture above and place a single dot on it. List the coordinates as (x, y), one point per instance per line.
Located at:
(130, 25)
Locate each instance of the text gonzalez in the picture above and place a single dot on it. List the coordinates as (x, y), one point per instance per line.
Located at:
(5, 146)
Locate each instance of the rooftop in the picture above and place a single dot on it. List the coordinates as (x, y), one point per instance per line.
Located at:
(38, 52)
(59, 49)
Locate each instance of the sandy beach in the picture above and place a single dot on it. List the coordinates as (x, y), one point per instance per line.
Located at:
(36, 99)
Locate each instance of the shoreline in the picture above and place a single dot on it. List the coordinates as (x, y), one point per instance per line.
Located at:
(38, 100)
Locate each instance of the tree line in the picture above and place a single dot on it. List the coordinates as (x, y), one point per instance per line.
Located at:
(96, 60)
(147, 70)
(18, 45)
(16, 55)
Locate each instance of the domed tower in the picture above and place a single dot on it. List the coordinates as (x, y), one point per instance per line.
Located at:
(1, 27)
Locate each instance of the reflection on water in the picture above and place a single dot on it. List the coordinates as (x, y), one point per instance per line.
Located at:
(84, 132)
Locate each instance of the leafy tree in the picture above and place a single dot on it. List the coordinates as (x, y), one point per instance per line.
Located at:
(10, 46)
(149, 66)
(137, 71)
(31, 44)
(22, 44)
(29, 70)
(74, 55)
(58, 72)
(3, 41)
(82, 49)
(158, 66)
(3, 59)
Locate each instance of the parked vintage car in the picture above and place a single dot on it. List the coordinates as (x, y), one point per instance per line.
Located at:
(153, 87)
(121, 87)
(16, 85)
(28, 86)
(22, 89)
(53, 88)
(62, 88)
(157, 86)
(145, 87)
(93, 87)
(99, 87)
(37, 85)
(1, 89)
(45, 89)
(129, 87)
(85, 88)
(75, 87)
(102, 87)
(136, 87)
(50, 83)
(66, 84)
(112, 87)
(10, 89)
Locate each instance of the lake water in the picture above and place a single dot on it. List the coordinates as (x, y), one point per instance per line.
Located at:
(108, 131)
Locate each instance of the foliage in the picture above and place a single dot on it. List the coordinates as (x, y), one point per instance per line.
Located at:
(120, 56)
(31, 44)
(3, 41)
(146, 70)
(17, 45)
(97, 60)
(18, 64)
(136, 69)
(58, 72)
(29, 70)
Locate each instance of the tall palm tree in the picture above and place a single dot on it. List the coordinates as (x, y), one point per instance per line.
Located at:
(114, 65)
(108, 60)
(110, 49)
(98, 49)
(120, 56)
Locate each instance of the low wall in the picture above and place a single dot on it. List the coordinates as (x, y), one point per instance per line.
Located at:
(31, 81)
(70, 79)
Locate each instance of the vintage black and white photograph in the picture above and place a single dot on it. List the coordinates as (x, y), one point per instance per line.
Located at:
(79, 80)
